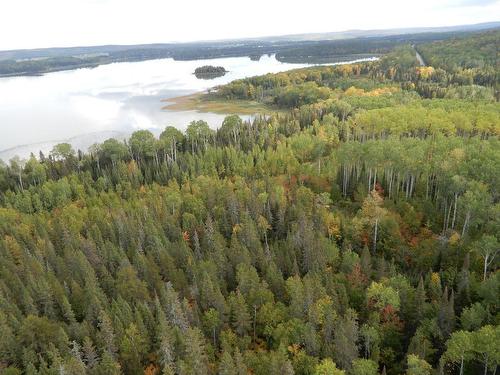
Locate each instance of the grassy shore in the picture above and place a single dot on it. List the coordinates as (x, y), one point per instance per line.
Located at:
(203, 102)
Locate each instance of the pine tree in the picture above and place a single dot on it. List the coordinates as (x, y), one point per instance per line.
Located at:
(241, 368)
(239, 315)
(107, 366)
(107, 333)
(132, 350)
(446, 314)
(226, 365)
(175, 312)
(420, 301)
(366, 262)
(166, 355)
(195, 361)
(89, 353)
(463, 284)
(345, 339)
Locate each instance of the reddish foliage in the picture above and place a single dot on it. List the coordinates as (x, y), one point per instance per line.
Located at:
(151, 370)
(389, 317)
(365, 240)
(379, 189)
(414, 240)
(317, 183)
(357, 278)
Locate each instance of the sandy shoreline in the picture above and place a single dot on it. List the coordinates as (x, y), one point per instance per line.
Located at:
(181, 103)
(202, 102)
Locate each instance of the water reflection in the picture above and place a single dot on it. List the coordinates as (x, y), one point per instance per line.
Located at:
(89, 105)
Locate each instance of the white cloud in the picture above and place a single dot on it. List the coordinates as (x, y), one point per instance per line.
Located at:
(35, 23)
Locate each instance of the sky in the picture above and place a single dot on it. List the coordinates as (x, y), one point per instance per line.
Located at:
(64, 23)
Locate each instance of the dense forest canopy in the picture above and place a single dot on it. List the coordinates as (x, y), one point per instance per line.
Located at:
(355, 232)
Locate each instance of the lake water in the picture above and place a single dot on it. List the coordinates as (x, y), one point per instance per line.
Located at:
(85, 106)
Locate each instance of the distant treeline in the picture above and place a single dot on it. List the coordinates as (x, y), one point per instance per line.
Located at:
(286, 51)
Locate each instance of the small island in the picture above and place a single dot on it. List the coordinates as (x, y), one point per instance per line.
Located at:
(209, 72)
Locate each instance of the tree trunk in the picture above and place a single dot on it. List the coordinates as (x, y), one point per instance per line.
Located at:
(409, 186)
(367, 348)
(375, 237)
(427, 188)
(398, 184)
(485, 266)
(466, 222)
(268, 253)
(448, 217)
(21, 181)
(369, 180)
(390, 185)
(344, 184)
(254, 321)
(454, 212)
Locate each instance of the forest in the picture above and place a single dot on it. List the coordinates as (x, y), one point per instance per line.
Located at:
(354, 232)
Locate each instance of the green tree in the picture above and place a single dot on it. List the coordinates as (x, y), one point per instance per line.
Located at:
(370, 216)
(62, 151)
(171, 140)
(418, 366)
(113, 151)
(488, 248)
(363, 366)
(195, 361)
(143, 145)
(226, 365)
(107, 366)
(459, 349)
(212, 322)
(43, 336)
(345, 339)
(472, 317)
(239, 315)
(133, 348)
(485, 344)
(327, 367)
(380, 296)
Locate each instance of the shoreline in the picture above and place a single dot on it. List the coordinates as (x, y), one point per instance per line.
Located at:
(201, 102)
(332, 60)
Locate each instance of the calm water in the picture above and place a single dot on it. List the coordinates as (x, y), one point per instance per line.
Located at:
(85, 106)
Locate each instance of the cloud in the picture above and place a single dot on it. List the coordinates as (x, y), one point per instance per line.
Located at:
(54, 23)
(474, 3)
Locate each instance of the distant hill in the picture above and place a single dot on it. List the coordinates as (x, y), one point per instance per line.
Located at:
(384, 32)
(338, 35)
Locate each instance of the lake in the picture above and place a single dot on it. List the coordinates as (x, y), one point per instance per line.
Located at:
(86, 106)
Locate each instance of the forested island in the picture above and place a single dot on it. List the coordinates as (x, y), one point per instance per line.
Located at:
(353, 232)
(209, 72)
